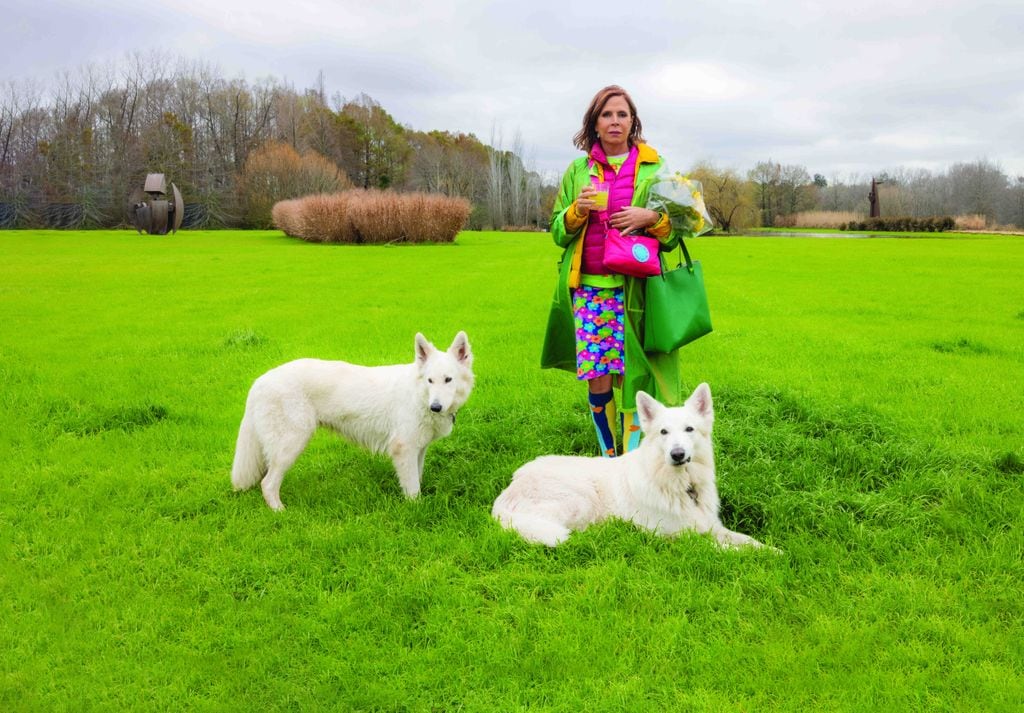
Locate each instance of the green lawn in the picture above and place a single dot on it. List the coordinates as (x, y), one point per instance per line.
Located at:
(869, 417)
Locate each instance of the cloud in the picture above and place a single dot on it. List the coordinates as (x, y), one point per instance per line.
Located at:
(854, 88)
(689, 82)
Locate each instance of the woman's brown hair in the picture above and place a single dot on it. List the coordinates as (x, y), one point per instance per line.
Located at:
(587, 136)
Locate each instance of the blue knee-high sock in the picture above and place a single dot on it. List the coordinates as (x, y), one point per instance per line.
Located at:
(602, 410)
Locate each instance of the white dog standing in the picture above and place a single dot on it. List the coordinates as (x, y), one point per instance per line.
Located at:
(398, 410)
(667, 485)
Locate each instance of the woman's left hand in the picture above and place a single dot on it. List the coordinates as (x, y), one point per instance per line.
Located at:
(633, 219)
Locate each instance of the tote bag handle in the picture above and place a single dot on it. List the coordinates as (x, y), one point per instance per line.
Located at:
(683, 252)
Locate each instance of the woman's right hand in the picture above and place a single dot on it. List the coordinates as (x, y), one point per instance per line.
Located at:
(585, 200)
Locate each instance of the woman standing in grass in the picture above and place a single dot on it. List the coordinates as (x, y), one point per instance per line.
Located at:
(595, 328)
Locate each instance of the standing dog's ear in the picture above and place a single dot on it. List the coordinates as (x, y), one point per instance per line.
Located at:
(460, 349)
(423, 348)
(647, 409)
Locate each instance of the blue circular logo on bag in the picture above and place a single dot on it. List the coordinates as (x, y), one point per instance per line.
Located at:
(641, 253)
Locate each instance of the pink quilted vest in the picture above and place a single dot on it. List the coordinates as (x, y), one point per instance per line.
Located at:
(620, 195)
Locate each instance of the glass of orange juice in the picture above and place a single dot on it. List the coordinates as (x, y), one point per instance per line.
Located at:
(601, 197)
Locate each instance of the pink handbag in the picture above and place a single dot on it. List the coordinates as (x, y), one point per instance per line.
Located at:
(634, 255)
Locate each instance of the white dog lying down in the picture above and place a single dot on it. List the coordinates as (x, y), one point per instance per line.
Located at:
(398, 410)
(667, 485)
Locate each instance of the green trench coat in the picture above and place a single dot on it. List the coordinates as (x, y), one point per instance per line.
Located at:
(655, 373)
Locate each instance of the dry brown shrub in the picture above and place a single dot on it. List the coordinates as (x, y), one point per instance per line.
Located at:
(974, 221)
(286, 216)
(824, 218)
(313, 215)
(373, 216)
(325, 219)
(276, 171)
(816, 219)
(433, 218)
(410, 209)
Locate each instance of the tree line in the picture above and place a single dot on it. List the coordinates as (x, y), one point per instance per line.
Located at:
(71, 154)
(772, 194)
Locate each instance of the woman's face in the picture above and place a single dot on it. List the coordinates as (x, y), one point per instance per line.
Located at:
(613, 124)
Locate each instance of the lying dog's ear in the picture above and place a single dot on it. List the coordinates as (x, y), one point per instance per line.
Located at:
(460, 348)
(423, 348)
(700, 400)
(647, 409)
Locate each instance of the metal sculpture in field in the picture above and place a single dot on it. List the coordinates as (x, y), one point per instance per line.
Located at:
(156, 214)
(876, 206)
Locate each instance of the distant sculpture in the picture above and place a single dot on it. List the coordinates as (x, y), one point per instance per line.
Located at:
(156, 215)
(876, 208)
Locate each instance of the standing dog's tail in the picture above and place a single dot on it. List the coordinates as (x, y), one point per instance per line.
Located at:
(248, 468)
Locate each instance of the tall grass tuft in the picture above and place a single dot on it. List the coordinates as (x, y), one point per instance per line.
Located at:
(824, 218)
(325, 219)
(447, 217)
(832, 219)
(974, 221)
(373, 216)
(285, 215)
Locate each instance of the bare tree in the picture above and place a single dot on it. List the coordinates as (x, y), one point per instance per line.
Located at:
(765, 176)
(515, 183)
(496, 178)
(1012, 209)
(795, 190)
(977, 188)
(22, 171)
(729, 199)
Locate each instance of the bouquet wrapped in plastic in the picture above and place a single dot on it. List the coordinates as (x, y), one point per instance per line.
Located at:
(683, 199)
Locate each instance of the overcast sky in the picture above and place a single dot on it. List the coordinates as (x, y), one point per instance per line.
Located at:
(845, 89)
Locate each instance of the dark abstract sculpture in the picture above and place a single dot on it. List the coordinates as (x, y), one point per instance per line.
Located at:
(876, 208)
(156, 215)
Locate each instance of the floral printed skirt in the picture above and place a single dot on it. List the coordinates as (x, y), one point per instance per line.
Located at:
(600, 337)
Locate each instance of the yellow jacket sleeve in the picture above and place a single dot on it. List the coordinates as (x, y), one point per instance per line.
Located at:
(662, 228)
(574, 219)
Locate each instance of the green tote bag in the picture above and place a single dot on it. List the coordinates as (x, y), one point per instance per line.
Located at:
(676, 307)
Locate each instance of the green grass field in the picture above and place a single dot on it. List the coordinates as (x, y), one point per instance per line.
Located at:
(869, 416)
